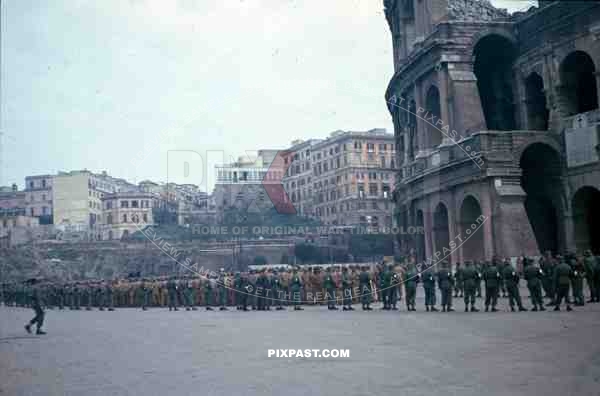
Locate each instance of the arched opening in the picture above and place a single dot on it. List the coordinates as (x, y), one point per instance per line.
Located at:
(470, 220)
(578, 87)
(441, 232)
(541, 167)
(494, 57)
(420, 237)
(434, 110)
(586, 219)
(125, 235)
(537, 113)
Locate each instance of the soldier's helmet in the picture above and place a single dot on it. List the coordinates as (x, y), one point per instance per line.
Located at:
(587, 253)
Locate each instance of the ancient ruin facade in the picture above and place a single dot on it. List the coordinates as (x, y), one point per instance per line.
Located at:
(496, 123)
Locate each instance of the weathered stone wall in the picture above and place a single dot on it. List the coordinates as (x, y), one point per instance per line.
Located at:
(108, 259)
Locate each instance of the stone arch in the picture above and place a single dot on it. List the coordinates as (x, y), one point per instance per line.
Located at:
(470, 216)
(578, 90)
(535, 100)
(433, 110)
(441, 230)
(494, 57)
(541, 180)
(586, 219)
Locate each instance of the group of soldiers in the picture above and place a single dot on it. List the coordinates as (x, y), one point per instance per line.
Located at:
(556, 276)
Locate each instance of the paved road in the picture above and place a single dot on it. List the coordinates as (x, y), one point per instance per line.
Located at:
(131, 352)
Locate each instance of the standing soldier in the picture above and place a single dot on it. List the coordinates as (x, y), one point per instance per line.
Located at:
(445, 284)
(562, 280)
(548, 265)
(237, 285)
(411, 278)
(597, 278)
(188, 294)
(470, 279)
(36, 304)
(491, 276)
(577, 282)
(76, 296)
(479, 269)
(534, 276)
(89, 292)
(347, 290)
(589, 263)
(365, 289)
(172, 292)
(395, 287)
(277, 292)
(144, 293)
(296, 288)
(222, 289)
(330, 286)
(429, 288)
(511, 281)
(384, 286)
(261, 286)
(458, 276)
(208, 292)
(501, 282)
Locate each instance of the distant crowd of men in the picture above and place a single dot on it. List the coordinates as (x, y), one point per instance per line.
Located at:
(557, 278)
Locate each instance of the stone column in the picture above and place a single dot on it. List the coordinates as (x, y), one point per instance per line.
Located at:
(421, 126)
(428, 225)
(512, 232)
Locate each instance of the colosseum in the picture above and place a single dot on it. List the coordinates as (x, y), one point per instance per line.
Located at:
(496, 123)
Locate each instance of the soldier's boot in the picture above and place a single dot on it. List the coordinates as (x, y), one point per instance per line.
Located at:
(175, 309)
(28, 328)
(350, 308)
(369, 307)
(170, 308)
(345, 309)
(466, 308)
(473, 309)
(187, 308)
(209, 309)
(443, 308)
(88, 308)
(394, 308)
(522, 309)
(101, 309)
(223, 309)
(512, 308)
(450, 309)
(494, 309)
(427, 308)
(569, 308)
(40, 332)
(535, 308)
(111, 309)
(487, 308)
(194, 309)
(434, 309)
(557, 308)
(542, 308)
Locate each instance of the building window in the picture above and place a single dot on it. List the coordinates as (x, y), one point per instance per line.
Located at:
(44, 210)
(125, 218)
(124, 204)
(134, 204)
(373, 189)
(145, 217)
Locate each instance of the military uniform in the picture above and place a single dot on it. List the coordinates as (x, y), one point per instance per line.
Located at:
(428, 279)
(534, 276)
(562, 280)
(511, 281)
(296, 288)
(36, 304)
(347, 290)
(491, 276)
(365, 290)
(589, 264)
(330, 286)
(411, 278)
(445, 283)
(172, 294)
(470, 277)
(577, 283)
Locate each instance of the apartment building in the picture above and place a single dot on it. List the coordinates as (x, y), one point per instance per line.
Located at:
(353, 177)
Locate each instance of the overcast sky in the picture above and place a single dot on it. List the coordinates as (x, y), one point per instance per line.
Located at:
(101, 84)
